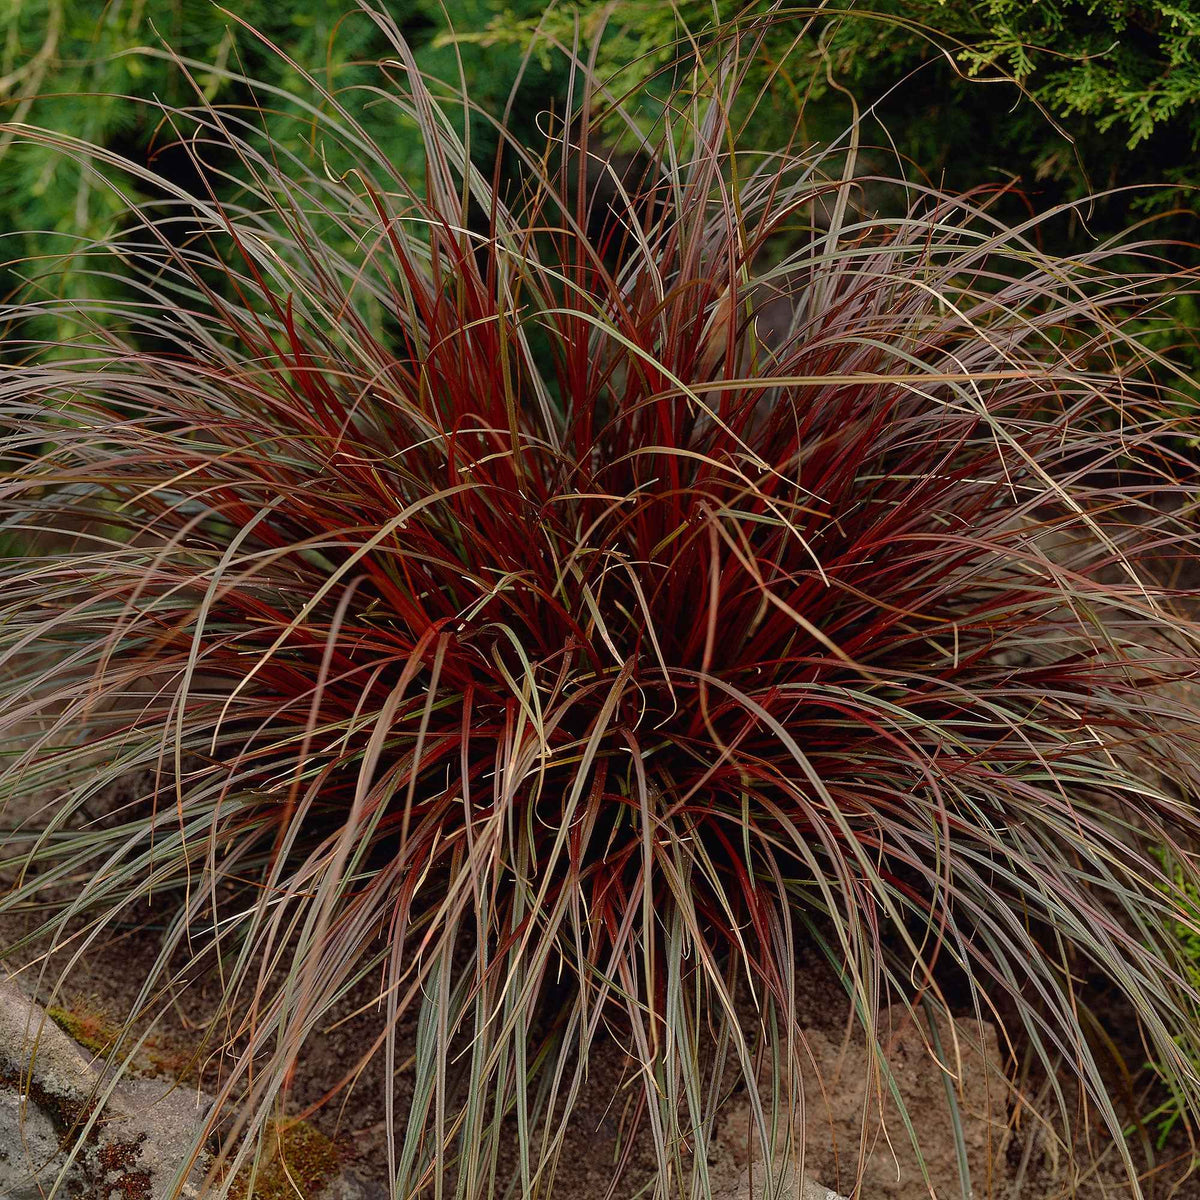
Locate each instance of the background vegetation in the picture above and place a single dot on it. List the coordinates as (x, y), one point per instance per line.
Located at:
(87, 67)
(1078, 91)
(1119, 77)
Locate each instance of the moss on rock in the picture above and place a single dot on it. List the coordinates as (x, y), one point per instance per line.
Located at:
(297, 1160)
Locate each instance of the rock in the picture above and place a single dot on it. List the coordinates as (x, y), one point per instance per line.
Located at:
(348, 1186)
(58, 1116)
(789, 1185)
(840, 1085)
(29, 1155)
(344, 1187)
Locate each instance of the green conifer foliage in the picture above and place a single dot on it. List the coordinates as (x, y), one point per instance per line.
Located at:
(1120, 77)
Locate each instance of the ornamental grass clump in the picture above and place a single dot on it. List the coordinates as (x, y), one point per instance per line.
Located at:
(551, 607)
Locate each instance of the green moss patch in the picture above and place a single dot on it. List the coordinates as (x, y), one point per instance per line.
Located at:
(297, 1159)
(90, 1027)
